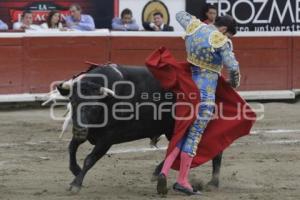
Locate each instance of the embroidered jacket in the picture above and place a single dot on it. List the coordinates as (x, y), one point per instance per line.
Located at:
(206, 47)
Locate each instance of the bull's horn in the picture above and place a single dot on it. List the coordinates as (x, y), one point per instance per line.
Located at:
(52, 96)
(107, 91)
(69, 84)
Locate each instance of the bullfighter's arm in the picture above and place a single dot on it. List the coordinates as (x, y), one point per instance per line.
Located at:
(189, 22)
(184, 19)
(232, 65)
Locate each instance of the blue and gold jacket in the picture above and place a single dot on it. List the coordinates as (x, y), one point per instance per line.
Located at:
(206, 47)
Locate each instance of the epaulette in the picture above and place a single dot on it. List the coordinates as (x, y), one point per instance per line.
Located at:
(217, 39)
(193, 26)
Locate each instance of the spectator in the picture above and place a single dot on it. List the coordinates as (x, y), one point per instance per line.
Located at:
(26, 22)
(53, 21)
(126, 22)
(3, 26)
(79, 21)
(157, 24)
(211, 14)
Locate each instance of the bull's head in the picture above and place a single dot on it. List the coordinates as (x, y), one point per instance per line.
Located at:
(87, 99)
(89, 102)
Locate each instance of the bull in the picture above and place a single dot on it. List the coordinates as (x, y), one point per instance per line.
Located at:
(98, 97)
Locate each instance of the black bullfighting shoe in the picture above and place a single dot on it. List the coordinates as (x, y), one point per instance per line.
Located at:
(162, 185)
(179, 188)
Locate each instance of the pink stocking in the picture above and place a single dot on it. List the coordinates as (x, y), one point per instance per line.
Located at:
(169, 161)
(185, 166)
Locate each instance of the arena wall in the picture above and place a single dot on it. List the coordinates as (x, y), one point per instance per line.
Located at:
(29, 63)
(295, 57)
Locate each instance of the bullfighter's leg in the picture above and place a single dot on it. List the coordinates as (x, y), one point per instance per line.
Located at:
(216, 168)
(217, 161)
(162, 178)
(73, 146)
(207, 83)
(99, 151)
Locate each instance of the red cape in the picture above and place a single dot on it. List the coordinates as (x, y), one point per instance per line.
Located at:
(220, 132)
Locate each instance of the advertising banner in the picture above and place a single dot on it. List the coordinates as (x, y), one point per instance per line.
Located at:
(255, 15)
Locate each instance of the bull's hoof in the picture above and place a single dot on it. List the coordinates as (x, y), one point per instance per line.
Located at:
(162, 189)
(74, 189)
(198, 184)
(212, 185)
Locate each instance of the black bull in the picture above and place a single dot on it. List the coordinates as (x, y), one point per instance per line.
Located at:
(134, 117)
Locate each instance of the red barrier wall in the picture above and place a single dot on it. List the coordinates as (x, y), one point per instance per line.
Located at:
(296, 62)
(59, 58)
(11, 65)
(30, 64)
(134, 51)
(265, 62)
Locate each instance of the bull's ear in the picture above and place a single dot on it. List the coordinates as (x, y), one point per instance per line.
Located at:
(107, 92)
(62, 90)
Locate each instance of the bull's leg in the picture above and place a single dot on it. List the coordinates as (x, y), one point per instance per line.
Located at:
(99, 150)
(157, 171)
(216, 171)
(73, 146)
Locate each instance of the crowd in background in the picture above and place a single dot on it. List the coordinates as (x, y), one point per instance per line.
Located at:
(75, 21)
(127, 23)
(83, 22)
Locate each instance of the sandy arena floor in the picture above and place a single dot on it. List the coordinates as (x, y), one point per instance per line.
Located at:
(34, 162)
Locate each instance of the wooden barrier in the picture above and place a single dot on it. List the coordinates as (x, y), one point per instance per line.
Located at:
(11, 65)
(265, 62)
(30, 64)
(296, 63)
(133, 51)
(56, 58)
